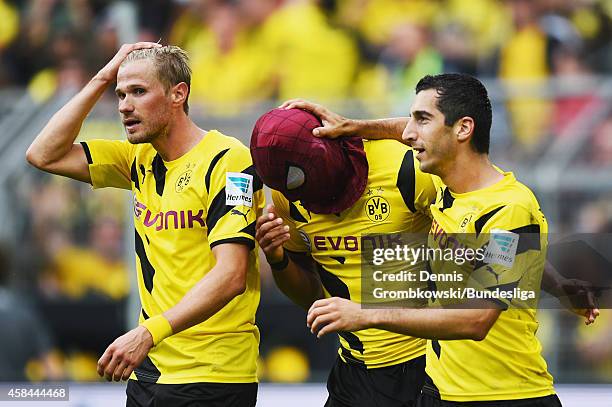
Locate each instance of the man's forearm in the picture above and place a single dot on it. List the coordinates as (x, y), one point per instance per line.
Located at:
(213, 292)
(301, 286)
(380, 129)
(434, 323)
(551, 280)
(56, 138)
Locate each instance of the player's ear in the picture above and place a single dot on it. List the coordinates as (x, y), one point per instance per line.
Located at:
(179, 93)
(464, 128)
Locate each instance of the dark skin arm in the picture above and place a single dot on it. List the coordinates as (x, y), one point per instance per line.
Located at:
(298, 281)
(566, 290)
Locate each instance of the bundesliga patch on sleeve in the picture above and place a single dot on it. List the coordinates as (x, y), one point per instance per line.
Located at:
(238, 189)
(502, 248)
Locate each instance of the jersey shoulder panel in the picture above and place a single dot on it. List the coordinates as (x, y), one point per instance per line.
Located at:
(111, 162)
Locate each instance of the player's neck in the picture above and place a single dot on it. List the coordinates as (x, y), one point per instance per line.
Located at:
(471, 172)
(180, 138)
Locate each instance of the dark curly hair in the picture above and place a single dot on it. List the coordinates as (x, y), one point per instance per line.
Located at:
(461, 95)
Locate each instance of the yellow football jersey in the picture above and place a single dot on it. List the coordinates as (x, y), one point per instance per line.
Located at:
(507, 364)
(182, 208)
(395, 201)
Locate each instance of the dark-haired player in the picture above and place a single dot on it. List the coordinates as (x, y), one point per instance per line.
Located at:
(198, 277)
(487, 353)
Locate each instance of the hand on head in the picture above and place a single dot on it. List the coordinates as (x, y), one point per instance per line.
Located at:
(109, 72)
(334, 125)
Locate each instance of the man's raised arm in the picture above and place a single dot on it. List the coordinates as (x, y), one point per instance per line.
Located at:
(54, 149)
(335, 126)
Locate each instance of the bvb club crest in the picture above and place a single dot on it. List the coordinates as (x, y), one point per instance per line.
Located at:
(377, 209)
(183, 181)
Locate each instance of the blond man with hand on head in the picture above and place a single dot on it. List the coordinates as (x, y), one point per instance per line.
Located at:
(196, 199)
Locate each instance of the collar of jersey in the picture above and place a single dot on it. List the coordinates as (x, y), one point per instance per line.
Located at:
(198, 146)
(508, 178)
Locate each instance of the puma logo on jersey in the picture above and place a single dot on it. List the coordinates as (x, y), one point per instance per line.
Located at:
(495, 274)
(237, 212)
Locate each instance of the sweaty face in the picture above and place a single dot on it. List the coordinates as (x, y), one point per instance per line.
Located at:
(426, 132)
(144, 106)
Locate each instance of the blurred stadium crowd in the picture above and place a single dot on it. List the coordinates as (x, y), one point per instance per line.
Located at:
(373, 51)
(547, 64)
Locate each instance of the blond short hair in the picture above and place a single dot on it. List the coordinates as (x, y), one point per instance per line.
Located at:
(171, 64)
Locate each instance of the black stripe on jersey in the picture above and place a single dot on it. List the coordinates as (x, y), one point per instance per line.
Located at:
(211, 167)
(144, 314)
(143, 171)
(480, 222)
(257, 182)
(145, 265)
(479, 263)
(217, 209)
(502, 305)
(406, 180)
(435, 345)
(134, 175)
(529, 238)
(353, 341)
(339, 259)
(348, 356)
(295, 214)
(250, 229)
(159, 173)
(147, 372)
(87, 152)
(250, 243)
(502, 287)
(447, 199)
(337, 288)
(332, 283)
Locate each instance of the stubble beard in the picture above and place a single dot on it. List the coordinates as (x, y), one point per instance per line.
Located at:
(147, 136)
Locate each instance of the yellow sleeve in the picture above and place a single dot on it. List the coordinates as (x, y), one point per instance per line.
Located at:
(235, 199)
(514, 243)
(109, 162)
(295, 243)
